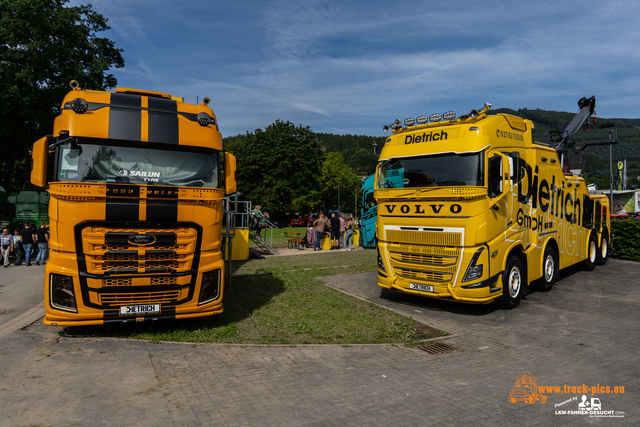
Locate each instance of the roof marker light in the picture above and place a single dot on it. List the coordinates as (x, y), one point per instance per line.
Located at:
(204, 119)
(79, 106)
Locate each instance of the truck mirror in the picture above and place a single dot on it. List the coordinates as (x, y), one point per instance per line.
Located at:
(230, 184)
(39, 162)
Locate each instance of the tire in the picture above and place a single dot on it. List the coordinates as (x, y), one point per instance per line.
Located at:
(549, 269)
(514, 280)
(589, 264)
(603, 251)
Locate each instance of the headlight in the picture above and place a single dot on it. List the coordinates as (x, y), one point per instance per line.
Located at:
(474, 272)
(380, 263)
(210, 287)
(61, 293)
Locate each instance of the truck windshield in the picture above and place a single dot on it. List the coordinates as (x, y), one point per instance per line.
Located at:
(433, 171)
(91, 160)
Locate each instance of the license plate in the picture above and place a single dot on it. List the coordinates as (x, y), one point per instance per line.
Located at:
(130, 310)
(420, 287)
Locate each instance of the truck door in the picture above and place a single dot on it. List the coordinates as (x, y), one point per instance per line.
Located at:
(500, 216)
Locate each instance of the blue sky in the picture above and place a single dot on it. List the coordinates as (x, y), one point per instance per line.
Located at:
(352, 67)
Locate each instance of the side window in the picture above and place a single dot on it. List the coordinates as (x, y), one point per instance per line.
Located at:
(495, 176)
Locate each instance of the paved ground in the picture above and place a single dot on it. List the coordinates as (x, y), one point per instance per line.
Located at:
(582, 332)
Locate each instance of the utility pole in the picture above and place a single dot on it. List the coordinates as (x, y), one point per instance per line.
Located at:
(374, 147)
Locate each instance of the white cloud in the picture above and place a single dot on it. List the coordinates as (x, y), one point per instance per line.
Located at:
(353, 66)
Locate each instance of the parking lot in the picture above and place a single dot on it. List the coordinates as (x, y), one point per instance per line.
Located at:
(576, 340)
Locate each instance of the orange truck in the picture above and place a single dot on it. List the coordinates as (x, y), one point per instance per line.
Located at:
(135, 208)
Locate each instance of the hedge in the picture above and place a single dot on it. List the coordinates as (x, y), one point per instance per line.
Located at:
(625, 239)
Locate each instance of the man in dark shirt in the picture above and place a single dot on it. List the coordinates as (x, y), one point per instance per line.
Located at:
(28, 236)
(335, 231)
(43, 246)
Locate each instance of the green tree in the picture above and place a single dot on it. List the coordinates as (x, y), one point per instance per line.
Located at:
(336, 174)
(277, 166)
(43, 46)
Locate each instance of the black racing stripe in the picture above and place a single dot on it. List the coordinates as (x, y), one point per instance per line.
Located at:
(122, 210)
(163, 121)
(162, 210)
(125, 117)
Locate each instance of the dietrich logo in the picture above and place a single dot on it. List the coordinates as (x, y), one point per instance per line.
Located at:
(425, 137)
(142, 239)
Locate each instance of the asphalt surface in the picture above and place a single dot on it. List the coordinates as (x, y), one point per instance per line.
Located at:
(583, 332)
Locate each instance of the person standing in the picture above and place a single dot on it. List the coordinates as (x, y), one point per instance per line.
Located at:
(28, 237)
(17, 246)
(319, 226)
(6, 246)
(335, 231)
(43, 243)
(342, 229)
(256, 218)
(348, 234)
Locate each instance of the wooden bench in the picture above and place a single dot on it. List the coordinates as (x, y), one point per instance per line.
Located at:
(293, 241)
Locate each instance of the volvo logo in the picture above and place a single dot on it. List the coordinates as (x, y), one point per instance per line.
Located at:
(142, 239)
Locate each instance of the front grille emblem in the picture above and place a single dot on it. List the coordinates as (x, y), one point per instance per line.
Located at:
(142, 239)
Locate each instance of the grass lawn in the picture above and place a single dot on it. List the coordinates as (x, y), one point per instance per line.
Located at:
(277, 301)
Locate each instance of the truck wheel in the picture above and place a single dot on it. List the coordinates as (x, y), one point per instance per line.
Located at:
(513, 282)
(549, 269)
(603, 252)
(589, 264)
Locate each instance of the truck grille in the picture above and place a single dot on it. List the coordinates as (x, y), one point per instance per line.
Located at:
(109, 252)
(425, 263)
(138, 297)
(124, 266)
(424, 237)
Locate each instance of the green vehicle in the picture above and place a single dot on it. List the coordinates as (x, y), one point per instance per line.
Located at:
(30, 206)
(6, 210)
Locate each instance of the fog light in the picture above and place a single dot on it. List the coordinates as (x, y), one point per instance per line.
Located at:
(79, 106)
(435, 117)
(449, 115)
(410, 121)
(61, 293)
(422, 120)
(210, 287)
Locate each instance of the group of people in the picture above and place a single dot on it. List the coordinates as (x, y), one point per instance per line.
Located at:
(23, 241)
(341, 232)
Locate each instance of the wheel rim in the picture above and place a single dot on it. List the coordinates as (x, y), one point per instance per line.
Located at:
(593, 250)
(605, 248)
(514, 282)
(549, 268)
